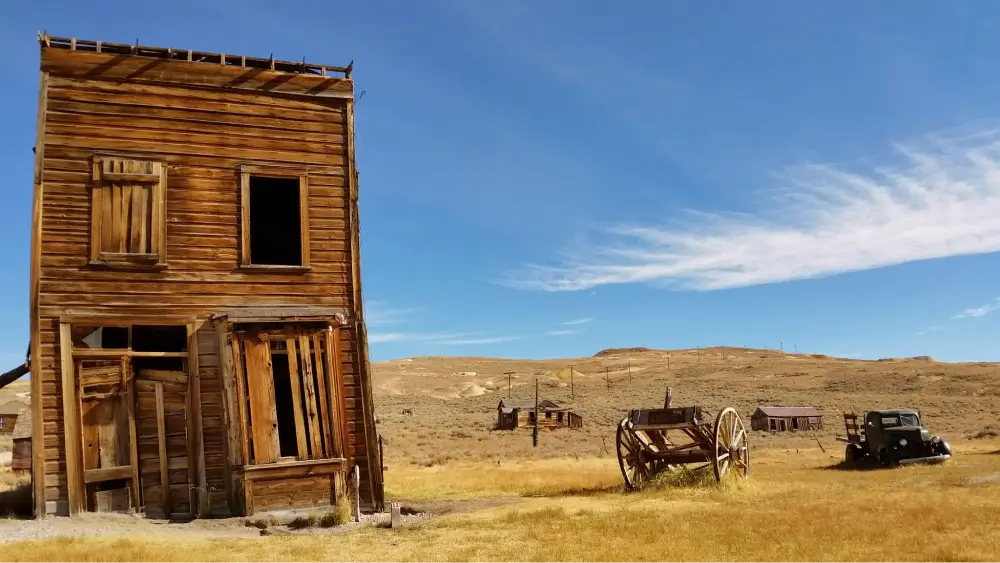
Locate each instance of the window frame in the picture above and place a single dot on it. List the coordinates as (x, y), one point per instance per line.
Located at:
(156, 259)
(245, 173)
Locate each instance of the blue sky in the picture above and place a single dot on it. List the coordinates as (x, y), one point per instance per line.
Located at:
(546, 179)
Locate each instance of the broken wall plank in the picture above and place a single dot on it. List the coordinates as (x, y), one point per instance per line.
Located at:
(315, 441)
(322, 395)
(295, 381)
(161, 434)
(263, 412)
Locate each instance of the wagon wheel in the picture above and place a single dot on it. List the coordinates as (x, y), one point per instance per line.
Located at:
(636, 469)
(732, 450)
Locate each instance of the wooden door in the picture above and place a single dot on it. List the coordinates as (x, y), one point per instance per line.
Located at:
(161, 408)
(111, 481)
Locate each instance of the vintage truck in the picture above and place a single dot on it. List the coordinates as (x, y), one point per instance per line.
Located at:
(893, 437)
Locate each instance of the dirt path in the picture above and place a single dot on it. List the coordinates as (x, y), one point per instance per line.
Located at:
(94, 525)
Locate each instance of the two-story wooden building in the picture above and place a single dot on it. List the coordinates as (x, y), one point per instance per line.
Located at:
(198, 341)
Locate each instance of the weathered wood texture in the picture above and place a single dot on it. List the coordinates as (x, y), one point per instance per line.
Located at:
(203, 122)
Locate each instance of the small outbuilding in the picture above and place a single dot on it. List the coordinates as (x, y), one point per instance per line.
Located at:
(20, 460)
(520, 413)
(786, 419)
(8, 415)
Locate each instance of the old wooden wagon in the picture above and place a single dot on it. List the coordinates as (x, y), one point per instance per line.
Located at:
(651, 441)
(198, 341)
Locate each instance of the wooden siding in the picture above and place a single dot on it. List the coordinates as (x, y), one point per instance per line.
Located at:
(113, 104)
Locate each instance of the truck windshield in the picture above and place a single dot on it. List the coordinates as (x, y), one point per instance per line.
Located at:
(901, 420)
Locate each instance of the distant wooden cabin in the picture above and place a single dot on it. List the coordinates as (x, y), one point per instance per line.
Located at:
(520, 413)
(786, 419)
(198, 342)
(9, 413)
(20, 460)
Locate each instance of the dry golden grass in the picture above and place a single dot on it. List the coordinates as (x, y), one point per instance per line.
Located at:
(15, 494)
(795, 507)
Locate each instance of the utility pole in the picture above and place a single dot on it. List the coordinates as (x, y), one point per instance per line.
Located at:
(796, 348)
(534, 431)
(782, 348)
(724, 354)
(607, 377)
(668, 362)
(698, 351)
(572, 390)
(508, 374)
(630, 371)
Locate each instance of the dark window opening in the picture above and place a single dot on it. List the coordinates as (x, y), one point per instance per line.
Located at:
(98, 337)
(166, 364)
(275, 236)
(159, 338)
(548, 415)
(283, 405)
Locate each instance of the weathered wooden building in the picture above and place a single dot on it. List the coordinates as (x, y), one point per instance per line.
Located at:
(519, 413)
(198, 342)
(786, 419)
(9, 412)
(20, 457)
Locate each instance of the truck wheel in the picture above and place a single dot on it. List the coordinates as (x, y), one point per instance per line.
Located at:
(852, 454)
(943, 448)
(885, 458)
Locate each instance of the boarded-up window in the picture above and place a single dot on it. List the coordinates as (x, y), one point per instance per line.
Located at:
(291, 394)
(128, 218)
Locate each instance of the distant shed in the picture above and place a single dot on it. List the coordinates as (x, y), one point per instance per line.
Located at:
(20, 461)
(8, 415)
(786, 419)
(519, 413)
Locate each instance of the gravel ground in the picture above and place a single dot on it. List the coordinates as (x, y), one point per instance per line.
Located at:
(105, 524)
(119, 524)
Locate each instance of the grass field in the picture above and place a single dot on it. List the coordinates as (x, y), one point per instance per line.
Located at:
(796, 506)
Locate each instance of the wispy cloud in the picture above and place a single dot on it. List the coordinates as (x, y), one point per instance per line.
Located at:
(379, 313)
(579, 321)
(560, 332)
(489, 340)
(941, 201)
(408, 337)
(980, 311)
(930, 329)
